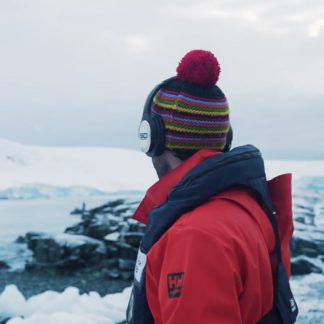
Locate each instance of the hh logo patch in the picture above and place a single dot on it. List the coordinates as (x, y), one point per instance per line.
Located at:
(175, 284)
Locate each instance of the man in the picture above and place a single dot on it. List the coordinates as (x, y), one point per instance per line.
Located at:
(216, 248)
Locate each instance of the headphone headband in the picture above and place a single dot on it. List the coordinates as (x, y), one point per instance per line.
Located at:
(151, 130)
(149, 99)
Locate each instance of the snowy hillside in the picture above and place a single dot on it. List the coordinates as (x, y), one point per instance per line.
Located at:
(104, 169)
(44, 172)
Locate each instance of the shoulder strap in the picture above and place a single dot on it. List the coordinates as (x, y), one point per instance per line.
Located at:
(272, 317)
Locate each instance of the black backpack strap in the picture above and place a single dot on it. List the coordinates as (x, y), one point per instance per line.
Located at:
(285, 309)
(272, 317)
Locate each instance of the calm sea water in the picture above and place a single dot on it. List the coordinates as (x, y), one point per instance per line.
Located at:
(17, 217)
(46, 215)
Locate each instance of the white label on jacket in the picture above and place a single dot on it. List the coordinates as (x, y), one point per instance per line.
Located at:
(140, 265)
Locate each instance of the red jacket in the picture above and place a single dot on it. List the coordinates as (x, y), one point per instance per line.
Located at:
(213, 265)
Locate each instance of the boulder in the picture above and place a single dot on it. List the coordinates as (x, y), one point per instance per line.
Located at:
(312, 253)
(111, 274)
(319, 246)
(298, 245)
(127, 275)
(20, 240)
(301, 266)
(105, 243)
(3, 265)
(127, 251)
(133, 238)
(46, 250)
(125, 264)
(4, 319)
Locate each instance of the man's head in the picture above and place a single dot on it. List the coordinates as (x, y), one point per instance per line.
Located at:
(186, 113)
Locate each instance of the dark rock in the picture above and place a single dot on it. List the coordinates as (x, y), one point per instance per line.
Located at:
(4, 320)
(125, 264)
(319, 246)
(133, 238)
(135, 226)
(32, 237)
(99, 231)
(46, 250)
(127, 275)
(298, 245)
(96, 253)
(87, 252)
(78, 229)
(312, 253)
(302, 266)
(112, 250)
(21, 240)
(30, 266)
(127, 251)
(94, 227)
(109, 263)
(3, 265)
(70, 264)
(34, 266)
(115, 203)
(300, 219)
(111, 274)
(120, 210)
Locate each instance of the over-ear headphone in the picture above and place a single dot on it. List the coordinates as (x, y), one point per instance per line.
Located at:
(151, 132)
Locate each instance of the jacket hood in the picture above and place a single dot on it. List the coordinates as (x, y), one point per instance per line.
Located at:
(158, 193)
(207, 173)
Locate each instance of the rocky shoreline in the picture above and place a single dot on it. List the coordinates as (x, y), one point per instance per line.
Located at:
(98, 253)
(37, 282)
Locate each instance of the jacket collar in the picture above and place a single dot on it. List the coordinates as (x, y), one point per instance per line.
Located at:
(157, 194)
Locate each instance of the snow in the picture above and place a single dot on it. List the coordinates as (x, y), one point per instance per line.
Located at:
(299, 169)
(113, 237)
(308, 291)
(73, 240)
(33, 171)
(105, 169)
(68, 307)
(32, 191)
(71, 307)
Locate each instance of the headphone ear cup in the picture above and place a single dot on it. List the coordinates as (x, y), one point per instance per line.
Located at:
(157, 136)
(229, 139)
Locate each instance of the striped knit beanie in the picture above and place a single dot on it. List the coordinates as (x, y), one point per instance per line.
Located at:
(194, 110)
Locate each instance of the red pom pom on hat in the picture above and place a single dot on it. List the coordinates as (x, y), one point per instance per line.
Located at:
(199, 66)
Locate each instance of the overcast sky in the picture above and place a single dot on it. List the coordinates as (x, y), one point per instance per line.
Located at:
(76, 73)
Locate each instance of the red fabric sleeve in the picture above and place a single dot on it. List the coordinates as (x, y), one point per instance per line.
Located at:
(192, 276)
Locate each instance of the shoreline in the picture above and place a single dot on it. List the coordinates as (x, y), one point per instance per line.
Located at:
(34, 283)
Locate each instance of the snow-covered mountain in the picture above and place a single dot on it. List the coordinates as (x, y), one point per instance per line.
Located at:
(29, 171)
(36, 190)
(32, 171)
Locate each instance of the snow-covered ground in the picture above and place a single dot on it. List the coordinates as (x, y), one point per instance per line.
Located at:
(71, 307)
(68, 307)
(45, 172)
(104, 169)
